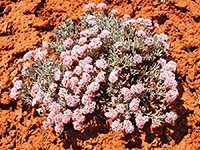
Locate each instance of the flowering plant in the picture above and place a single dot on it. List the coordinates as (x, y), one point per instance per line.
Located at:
(110, 64)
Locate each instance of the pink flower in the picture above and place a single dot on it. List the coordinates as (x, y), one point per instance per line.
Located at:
(113, 77)
(101, 64)
(171, 95)
(127, 116)
(86, 33)
(65, 82)
(114, 11)
(43, 81)
(126, 93)
(113, 100)
(133, 89)
(116, 126)
(90, 17)
(62, 92)
(78, 70)
(88, 7)
(140, 33)
(120, 108)
(161, 37)
(45, 44)
(100, 77)
(92, 22)
(87, 60)
(104, 34)
(93, 87)
(34, 90)
(125, 24)
(139, 88)
(53, 87)
(14, 93)
(95, 43)
(66, 117)
(55, 107)
(67, 61)
(28, 55)
(88, 109)
(112, 114)
(47, 100)
(162, 62)
(134, 104)
(78, 126)
(141, 120)
(15, 79)
(128, 126)
(137, 59)
(86, 77)
(73, 82)
(165, 74)
(86, 99)
(170, 66)
(40, 56)
(89, 68)
(82, 40)
(94, 29)
(67, 43)
(170, 82)
(140, 21)
(156, 25)
(19, 61)
(72, 101)
(18, 84)
(68, 74)
(149, 41)
(127, 16)
(170, 117)
(59, 127)
(46, 125)
(155, 123)
(78, 116)
(25, 67)
(117, 45)
(132, 22)
(57, 74)
(147, 22)
(102, 6)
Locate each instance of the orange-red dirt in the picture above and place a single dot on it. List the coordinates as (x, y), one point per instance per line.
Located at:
(24, 24)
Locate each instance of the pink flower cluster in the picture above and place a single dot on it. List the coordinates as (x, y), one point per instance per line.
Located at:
(104, 34)
(170, 117)
(131, 22)
(30, 54)
(67, 43)
(127, 93)
(17, 86)
(95, 43)
(140, 33)
(25, 67)
(149, 41)
(127, 16)
(169, 79)
(41, 55)
(57, 74)
(102, 6)
(137, 59)
(88, 7)
(114, 11)
(126, 125)
(101, 64)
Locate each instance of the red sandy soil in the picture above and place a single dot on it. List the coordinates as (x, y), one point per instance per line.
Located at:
(24, 24)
